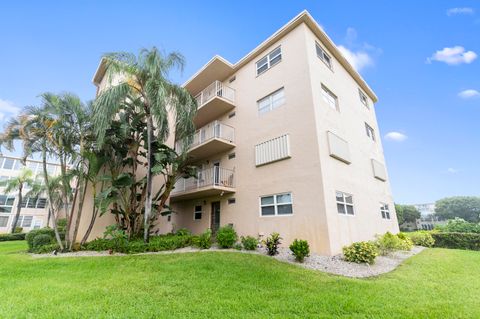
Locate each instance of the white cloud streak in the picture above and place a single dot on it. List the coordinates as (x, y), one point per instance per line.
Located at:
(458, 11)
(453, 56)
(359, 60)
(468, 94)
(395, 136)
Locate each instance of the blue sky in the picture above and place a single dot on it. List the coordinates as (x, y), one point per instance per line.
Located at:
(418, 56)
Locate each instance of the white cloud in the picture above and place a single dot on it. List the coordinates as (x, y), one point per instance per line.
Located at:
(467, 94)
(452, 170)
(453, 56)
(395, 136)
(7, 108)
(358, 60)
(456, 11)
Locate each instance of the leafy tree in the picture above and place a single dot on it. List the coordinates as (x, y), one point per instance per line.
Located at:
(144, 86)
(465, 207)
(17, 183)
(406, 213)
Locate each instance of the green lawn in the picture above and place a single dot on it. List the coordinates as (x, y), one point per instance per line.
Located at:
(437, 283)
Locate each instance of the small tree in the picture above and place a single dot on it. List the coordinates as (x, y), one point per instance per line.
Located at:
(406, 213)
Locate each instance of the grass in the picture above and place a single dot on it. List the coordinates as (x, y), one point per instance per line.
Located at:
(437, 283)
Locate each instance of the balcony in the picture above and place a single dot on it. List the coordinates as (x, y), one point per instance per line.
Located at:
(212, 181)
(215, 100)
(211, 139)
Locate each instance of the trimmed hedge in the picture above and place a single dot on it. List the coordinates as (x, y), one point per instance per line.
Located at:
(157, 243)
(10, 237)
(469, 241)
(30, 237)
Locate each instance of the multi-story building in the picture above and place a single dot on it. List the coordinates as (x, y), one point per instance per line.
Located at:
(34, 213)
(287, 142)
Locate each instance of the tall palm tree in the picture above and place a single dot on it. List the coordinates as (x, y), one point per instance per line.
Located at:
(40, 123)
(17, 183)
(144, 84)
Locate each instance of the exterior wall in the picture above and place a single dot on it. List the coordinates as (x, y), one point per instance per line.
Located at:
(40, 215)
(357, 177)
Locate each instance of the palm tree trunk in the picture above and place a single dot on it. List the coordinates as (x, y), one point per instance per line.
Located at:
(19, 208)
(148, 199)
(94, 213)
(63, 172)
(83, 192)
(49, 195)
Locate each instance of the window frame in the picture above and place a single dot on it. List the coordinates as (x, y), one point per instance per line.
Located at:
(370, 132)
(324, 53)
(195, 212)
(275, 204)
(329, 92)
(385, 211)
(363, 98)
(7, 198)
(344, 203)
(6, 218)
(270, 101)
(268, 61)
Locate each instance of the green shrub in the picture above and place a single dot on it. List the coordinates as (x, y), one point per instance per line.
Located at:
(183, 232)
(10, 237)
(422, 238)
(249, 243)
(226, 236)
(361, 252)
(300, 249)
(272, 242)
(46, 249)
(237, 246)
(41, 240)
(36, 232)
(18, 230)
(118, 236)
(389, 242)
(469, 241)
(61, 225)
(459, 225)
(99, 244)
(203, 241)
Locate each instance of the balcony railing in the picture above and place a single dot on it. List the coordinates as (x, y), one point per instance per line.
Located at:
(214, 177)
(216, 89)
(210, 131)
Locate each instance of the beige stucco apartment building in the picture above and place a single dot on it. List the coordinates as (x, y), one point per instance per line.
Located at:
(34, 213)
(287, 142)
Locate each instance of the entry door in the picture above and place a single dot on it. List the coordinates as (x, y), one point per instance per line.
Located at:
(215, 218)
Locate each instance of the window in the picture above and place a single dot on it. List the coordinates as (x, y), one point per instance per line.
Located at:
(34, 202)
(8, 163)
(272, 150)
(197, 214)
(231, 156)
(51, 169)
(271, 101)
(330, 98)
(32, 166)
(231, 115)
(275, 205)
(3, 221)
(363, 98)
(24, 221)
(385, 211)
(344, 203)
(6, 203)
(370, 132)
(231, 201)
(323, 55)
(269, 60)
(37, 224)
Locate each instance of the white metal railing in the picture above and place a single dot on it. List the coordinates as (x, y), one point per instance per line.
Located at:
(213, 176)
(217, 88)
(215, 129)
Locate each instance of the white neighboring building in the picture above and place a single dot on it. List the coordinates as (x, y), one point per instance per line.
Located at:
(34, 212)
(428, 220)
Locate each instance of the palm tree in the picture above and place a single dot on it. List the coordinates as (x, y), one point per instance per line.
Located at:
(144, 85)
(40, 123)
(17, 183)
